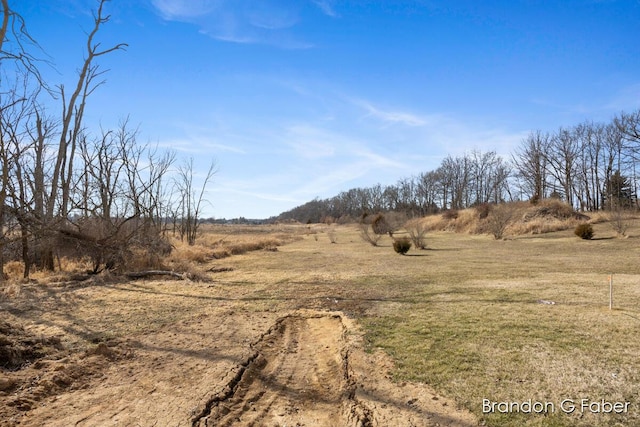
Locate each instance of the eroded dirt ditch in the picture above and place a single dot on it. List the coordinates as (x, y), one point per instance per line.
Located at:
(301, 374)
(231, 368)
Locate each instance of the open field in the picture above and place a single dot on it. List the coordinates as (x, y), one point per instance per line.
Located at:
(278, 336)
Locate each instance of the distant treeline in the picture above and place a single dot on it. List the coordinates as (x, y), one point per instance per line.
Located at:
(591, 166)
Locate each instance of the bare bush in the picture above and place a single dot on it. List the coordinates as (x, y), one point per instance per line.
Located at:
(620, 221)
(380, 225)
(367, 234)
(113, 245)
(395, 221)
(499, 219)
(417, 232)
(331, 234)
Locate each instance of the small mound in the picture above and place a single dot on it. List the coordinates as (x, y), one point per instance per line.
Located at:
(521, 218)
(553, 209)
(19, 348)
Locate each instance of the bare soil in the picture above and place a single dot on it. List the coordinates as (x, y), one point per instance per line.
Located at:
(170, 353)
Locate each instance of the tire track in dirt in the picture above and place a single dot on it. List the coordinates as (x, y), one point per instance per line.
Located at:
(220, 368)
(307, 370)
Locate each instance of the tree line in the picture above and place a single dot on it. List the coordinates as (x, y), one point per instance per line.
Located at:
(592, 166)
(65, 190)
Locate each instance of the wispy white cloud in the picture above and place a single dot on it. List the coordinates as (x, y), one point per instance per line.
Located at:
(332, 160)
(326, 6)
(377, 161)
(292, 156)
(627, 99)
(310, 142)
(434, 132)
(197, 145)
(268, 22)
(390, 116)
(184, 9)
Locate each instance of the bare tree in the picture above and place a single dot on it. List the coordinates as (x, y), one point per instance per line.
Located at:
(65, 188)
(191, 203)
(530, 163)
(562, 157)
(17, 68)
(629, 125)
(72, 115)
(52, 193)
(15, 42)
(455, 174)
(15, 116)
(427, 191)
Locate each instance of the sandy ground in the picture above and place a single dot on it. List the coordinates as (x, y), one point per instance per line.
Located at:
(219, 362)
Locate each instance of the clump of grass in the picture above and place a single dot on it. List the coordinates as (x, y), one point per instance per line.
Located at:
(553, 208)
(9, 290)
(14, 270)
(143, 259)
(197, 253)
(260, 244)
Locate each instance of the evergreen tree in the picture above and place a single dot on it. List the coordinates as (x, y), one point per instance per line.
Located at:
(619, 192)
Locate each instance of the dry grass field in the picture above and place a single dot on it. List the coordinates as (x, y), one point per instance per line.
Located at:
(524, 319)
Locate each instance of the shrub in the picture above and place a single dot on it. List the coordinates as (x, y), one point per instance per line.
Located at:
(499, 219)
(395, 221)
(417, 232)
(620, 221)
(380, 225)
(369, 236)
(402, 245)
(331, 234)
(584, 231)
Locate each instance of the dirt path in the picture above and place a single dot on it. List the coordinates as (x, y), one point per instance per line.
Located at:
(307, 371)
(229, 368)
(296, 375)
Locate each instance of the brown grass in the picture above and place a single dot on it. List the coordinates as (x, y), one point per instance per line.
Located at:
(547, 216)
(464, 316)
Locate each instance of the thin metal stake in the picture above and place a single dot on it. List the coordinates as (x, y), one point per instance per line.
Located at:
(611, 292)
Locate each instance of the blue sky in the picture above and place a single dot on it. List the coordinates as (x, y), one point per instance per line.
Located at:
(296, 99)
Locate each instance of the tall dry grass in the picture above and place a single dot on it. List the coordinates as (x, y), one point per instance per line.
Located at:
(547, 216)
(221, 241)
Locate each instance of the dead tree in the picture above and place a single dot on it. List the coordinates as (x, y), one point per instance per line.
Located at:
(57, 202)
(190, 203)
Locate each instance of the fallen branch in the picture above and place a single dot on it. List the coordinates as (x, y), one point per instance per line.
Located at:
(220, 269)
(139, 274)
